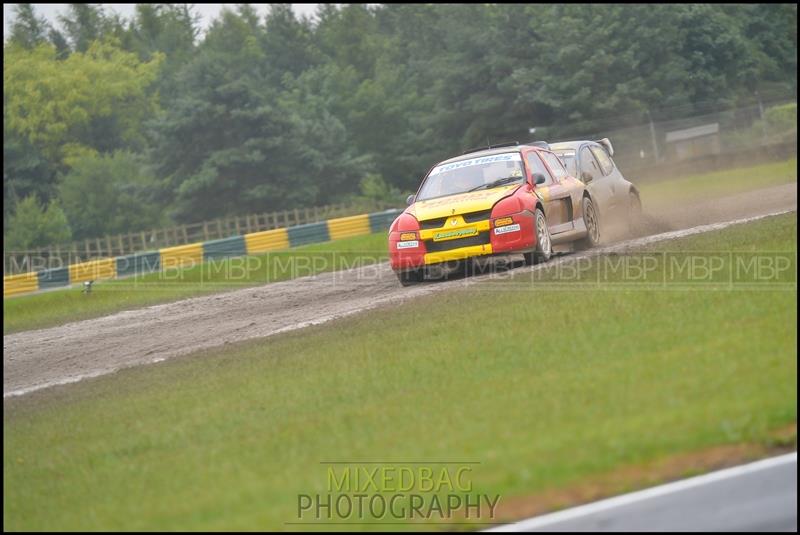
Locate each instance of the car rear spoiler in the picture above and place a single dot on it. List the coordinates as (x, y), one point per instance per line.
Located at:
(606, 143)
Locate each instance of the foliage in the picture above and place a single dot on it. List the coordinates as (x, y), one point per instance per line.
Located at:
(115, 192)
(34, 225)
(276, 111)
(90, 102)
(781, 119)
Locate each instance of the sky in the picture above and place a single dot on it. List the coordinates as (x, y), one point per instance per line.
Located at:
(207, 12)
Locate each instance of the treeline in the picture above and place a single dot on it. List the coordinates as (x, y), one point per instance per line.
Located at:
(115, 125)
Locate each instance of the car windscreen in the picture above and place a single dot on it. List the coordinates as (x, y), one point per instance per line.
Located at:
(473, 174)
(567, 157)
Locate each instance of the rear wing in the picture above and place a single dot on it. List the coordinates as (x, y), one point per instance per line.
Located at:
(606, 143)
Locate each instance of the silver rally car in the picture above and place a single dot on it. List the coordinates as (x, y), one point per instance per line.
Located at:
(615, 198)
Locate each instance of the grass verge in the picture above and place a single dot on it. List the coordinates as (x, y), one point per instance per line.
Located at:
(543, 385)
(720, 183)
(59, 306)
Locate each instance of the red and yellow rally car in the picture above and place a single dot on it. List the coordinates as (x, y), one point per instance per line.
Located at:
(497, 200)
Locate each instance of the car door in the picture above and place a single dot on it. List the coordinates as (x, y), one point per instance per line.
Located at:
(560, 194)
(596, 182)
(615, 180)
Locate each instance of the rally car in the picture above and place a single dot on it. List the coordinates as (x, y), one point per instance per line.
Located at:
(501, 199)
(616, 200)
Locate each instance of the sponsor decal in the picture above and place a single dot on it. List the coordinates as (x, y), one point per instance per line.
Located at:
(452, 234)
(506, 229)
(481, 195)
(407, 244)
(505, 157)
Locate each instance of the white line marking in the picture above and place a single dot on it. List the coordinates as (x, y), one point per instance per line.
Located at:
(654, 492)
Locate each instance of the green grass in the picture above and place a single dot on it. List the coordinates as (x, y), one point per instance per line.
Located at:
(58, 306)
(543, 386)
(720, 183)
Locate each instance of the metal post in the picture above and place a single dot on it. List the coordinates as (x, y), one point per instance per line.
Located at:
(763, 122)
(653, 136)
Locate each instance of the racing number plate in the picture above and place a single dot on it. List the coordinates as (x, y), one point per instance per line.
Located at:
(455, 234)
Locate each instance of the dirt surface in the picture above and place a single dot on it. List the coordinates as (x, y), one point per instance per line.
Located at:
(37, 359)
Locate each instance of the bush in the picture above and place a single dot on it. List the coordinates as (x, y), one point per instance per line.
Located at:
(33, 225)
(375, 188)
(781, 119)
(111, 194)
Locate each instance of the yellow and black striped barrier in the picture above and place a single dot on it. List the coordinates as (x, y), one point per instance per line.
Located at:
(194, 253)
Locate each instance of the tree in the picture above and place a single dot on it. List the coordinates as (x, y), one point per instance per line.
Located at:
(90, 102)
(28, 30)
(33, 225)
(235, 143)
(168, 29)
(83, 24)
(111, 194)
(26, 173)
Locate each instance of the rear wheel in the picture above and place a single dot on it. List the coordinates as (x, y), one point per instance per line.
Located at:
(544, 246)
(592, 225)
(412, 276)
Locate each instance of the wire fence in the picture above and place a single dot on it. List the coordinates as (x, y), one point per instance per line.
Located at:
(748, 134)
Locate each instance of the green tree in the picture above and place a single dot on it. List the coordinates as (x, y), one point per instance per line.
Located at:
(34, 225)
(28, 30)
(83, 24)
(111, 194)
(90, 102)
(26, 172)
(233, 142)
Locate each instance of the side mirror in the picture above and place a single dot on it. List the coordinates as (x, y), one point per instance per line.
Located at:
(586, 177)
(539, 178)
(410, 199)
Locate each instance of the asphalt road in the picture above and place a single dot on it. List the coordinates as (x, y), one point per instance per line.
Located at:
(760, 496)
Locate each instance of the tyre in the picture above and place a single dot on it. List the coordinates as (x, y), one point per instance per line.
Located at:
(592, 225)
(544, 246)
(412, 276)
(634, 213)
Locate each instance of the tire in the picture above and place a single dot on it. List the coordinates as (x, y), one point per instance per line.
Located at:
(634, 213)
(592, 223)
(544, 245)
(410, 277)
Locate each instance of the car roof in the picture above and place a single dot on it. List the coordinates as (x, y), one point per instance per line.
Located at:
(488, 152)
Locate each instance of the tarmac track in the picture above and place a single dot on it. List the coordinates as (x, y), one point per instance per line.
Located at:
(759, 496)
(38, 359)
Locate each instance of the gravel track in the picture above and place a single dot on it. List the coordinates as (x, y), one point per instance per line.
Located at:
(68, 353)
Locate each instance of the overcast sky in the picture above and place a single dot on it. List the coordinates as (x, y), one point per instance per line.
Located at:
(207, 12)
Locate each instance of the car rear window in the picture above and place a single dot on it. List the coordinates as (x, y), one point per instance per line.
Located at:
(606, 165)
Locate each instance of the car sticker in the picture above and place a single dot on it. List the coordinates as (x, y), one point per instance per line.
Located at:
(505, 157)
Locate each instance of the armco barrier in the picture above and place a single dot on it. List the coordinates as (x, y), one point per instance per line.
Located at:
(234, 246)
(194, 253)
(52, 278)
(20, 284)
(93, 270)
(344, 227)
(267, 240)
(138, 263)
(308, 233)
